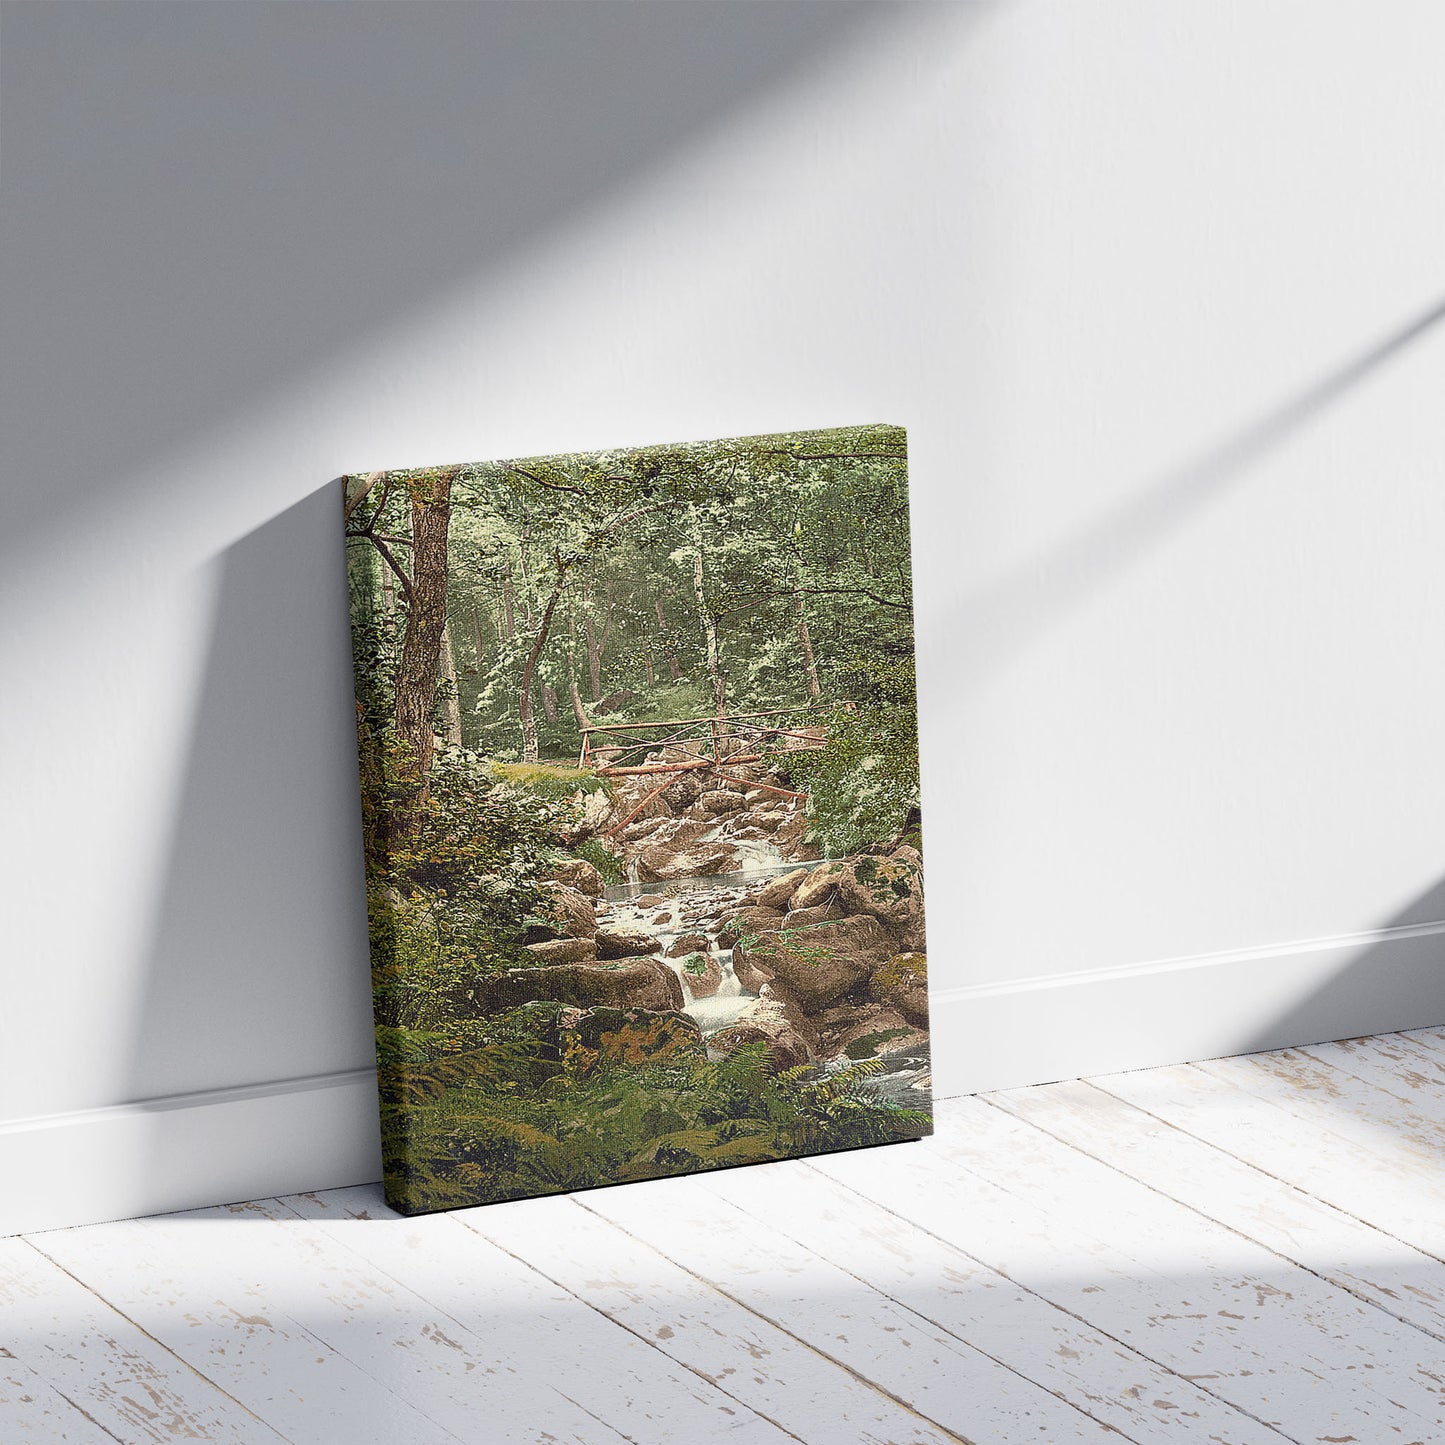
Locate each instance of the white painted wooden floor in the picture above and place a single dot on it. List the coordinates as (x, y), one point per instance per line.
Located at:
(1246, 1251)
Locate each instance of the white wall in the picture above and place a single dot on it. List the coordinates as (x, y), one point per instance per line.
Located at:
(1153, 285)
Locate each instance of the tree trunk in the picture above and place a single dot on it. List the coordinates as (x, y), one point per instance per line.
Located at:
(454, 700)
(477, 639)
(805, 640)
(673, 665)
(549, 703)
(709, 631)
(509, 621)
(596, 642)
(525, 713)
(577, 709)
(647, 664)
(594, 652)
(416, 675)
(583, 721)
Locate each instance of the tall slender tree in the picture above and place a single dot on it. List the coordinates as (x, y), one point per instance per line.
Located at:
(426, 594)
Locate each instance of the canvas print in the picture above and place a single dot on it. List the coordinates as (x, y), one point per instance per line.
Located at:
(640, 804)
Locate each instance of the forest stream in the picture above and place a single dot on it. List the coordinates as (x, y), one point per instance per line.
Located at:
(638, 747)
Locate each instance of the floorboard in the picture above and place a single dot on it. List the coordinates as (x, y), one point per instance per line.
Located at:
(1245, 1252)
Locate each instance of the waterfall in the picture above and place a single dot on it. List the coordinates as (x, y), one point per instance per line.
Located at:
(695, 906)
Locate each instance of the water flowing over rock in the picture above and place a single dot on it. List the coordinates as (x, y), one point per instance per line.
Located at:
(823, 963)
(702, 974)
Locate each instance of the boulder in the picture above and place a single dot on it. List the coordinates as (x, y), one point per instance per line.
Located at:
(822, 963)
(880, 1031)
(902, 984)
(647, 808)
(592, 813)
(701, 974)
(686, 943)
(667, 853)
(822, 885)
(743, 922)
(890, 889)
(587, 1037)
(563, 950)
(834, 1020)
(779, 993)
(751, 976)
(624, 943)
(641, 829)
(683, 791)
(765, 1022)
(779, 892)
(828, 912)
(579, 874)
(621, 983)
(562, 912)
(720, 800)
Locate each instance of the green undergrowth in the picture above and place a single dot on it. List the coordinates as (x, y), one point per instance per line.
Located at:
(552, 782)
(483, 1112)
(603, 859)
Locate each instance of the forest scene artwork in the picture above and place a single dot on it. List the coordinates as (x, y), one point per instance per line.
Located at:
(640, 808)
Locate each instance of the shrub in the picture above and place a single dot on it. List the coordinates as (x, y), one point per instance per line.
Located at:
(510, 1117)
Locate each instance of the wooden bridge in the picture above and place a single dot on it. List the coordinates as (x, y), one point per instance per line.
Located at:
(717, 743)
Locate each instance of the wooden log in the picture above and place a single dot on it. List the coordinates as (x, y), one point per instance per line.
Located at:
(656, 792)
(676, 767)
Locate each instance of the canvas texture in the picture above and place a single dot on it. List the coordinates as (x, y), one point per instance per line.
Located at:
(640, 806)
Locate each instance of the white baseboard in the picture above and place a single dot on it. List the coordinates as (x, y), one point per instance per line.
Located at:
(188, 1151)
(1141, 1016)
(193, 1150)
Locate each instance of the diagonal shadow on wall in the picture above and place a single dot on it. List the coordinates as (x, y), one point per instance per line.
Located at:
(202, 201)
(1001, 619)
(1394, 982)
